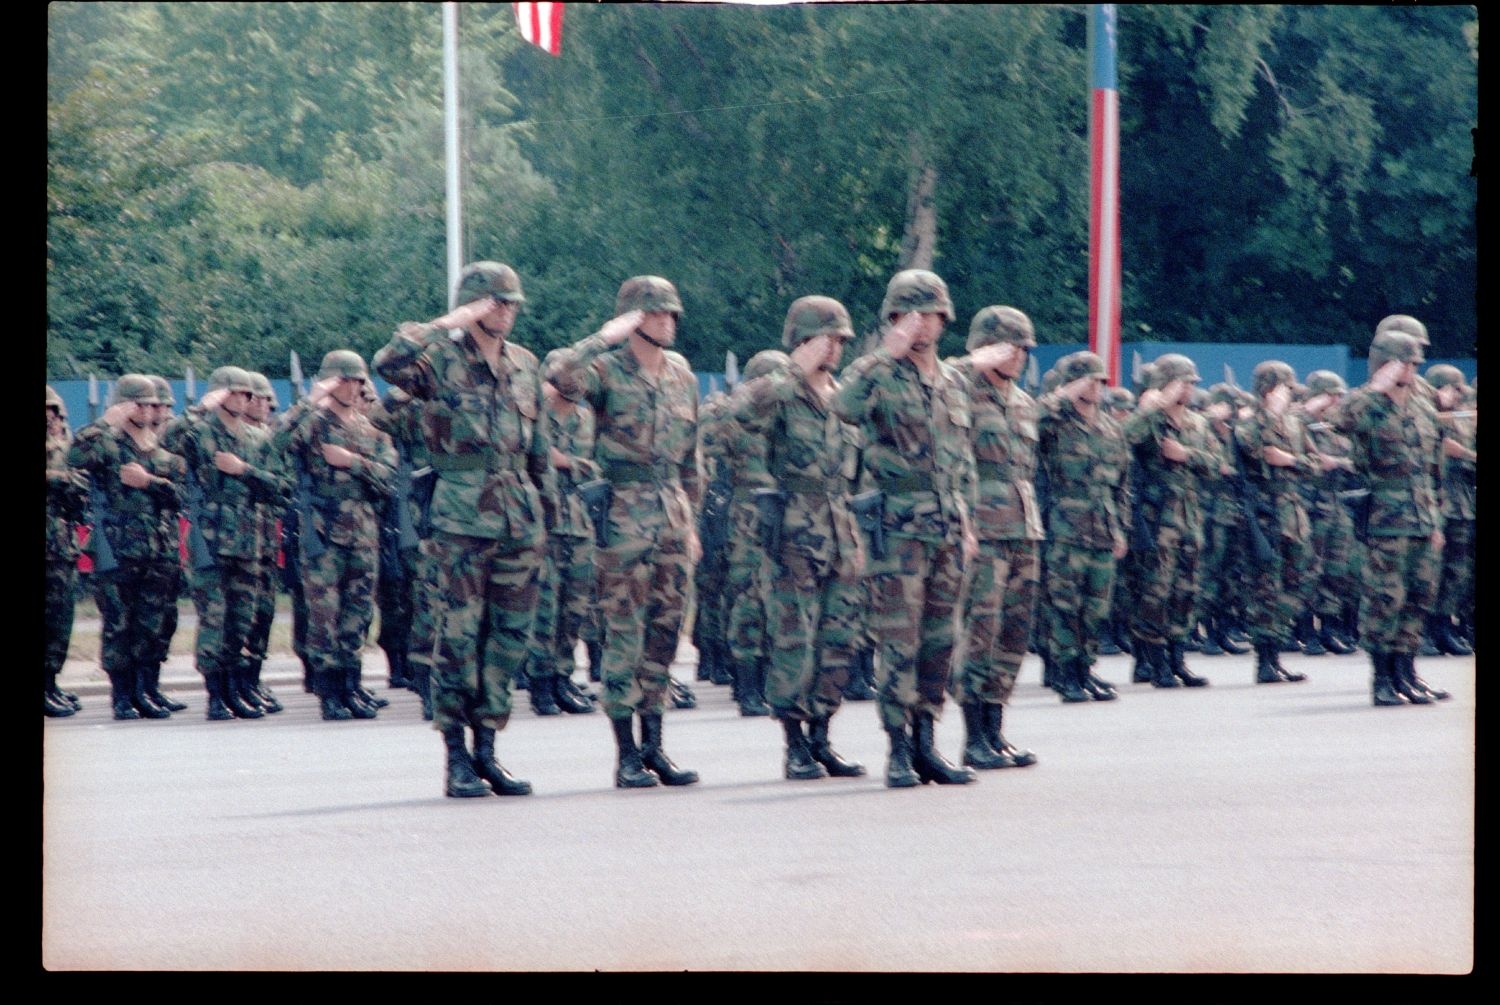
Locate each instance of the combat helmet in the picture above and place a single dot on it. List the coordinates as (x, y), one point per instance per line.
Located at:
(54, 400)
(1270, 375)
(232, 378)
(1444, 374)
(1174, 366)
(263, 388)
(343, 363)
(137, 388)
(1081, 364)
(648, 294)
(1325, 382)
(164, 395)
(1394, 345)
(1404, 323)
(809, 317)
(764, 362)
(488, 279)
(1050, 380)
(916, 290)
(999, 323)
(1120, 399)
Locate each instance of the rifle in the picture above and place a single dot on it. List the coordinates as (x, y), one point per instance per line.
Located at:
(101, 517)
(1146, 490)
(313, 544)
(200, 555)
(713, 523)
(869, 512)
(1251, 504)
(597, 496)
(423, 482)
(771, 505)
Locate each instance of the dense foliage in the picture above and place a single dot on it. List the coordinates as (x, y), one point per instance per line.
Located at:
(230, 181)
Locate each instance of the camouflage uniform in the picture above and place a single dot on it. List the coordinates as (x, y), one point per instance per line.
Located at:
(1335, 555)
(268, 516)
(1397, 450)
(711, 620)
(345, 506)
(1086, 466)
(141, 528)
(915, 431)
(67, 495)
(810, 585)
(1169, 509)
(226, 592)
(1460, 487)
(1278, 580)
(1222, 560)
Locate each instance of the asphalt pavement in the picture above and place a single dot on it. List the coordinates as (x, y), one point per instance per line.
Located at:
(1239, 828)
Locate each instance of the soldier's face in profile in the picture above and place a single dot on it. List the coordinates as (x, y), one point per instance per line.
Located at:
(1011, 368)
(348, 391)
(929, 330)
(835, 353)
(500, 319)
(1448, 397)
(660, 325)
(259, 408)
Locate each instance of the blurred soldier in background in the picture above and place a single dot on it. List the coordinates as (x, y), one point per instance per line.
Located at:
(67, 497)
(162, 414)
(268, 513)
(1221, 566)
(1333, 580)
(1455, 605)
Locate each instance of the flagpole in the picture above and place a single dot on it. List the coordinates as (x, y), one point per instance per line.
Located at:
(451, 148)
(1104, 192)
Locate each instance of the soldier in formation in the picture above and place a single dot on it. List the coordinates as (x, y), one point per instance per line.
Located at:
(67, 496)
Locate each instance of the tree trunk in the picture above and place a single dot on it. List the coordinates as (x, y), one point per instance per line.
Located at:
(919, 242)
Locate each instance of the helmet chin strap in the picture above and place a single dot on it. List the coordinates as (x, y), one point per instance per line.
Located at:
(489, 331)
(648, 338)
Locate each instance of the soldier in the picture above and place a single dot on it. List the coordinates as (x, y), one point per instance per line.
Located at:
(67, 495)
(913, 413)
(1397, 449)
(1221, 563)
(1333, 573)
(344, 469)
(645, 402)
(1274, 458)
(811, 554)
(568, 583)
(134, 539)
(267, 513)
(491, 504)
(711, 614)
(744, 453)
(1085, 460)
(1460, 482)
(229, 471)
(161, 415)
(1119, 404)
(1008, 524)
(1173, 449)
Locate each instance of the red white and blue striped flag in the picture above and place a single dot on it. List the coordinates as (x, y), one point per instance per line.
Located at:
(541, 25)
(1104, 192)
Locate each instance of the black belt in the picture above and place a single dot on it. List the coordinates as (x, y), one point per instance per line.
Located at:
(627, 472)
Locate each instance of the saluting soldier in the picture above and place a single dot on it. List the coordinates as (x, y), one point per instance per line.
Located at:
(1455, 605)
(267, 513)
(494, 497)
(1333, 577)
(67, 495)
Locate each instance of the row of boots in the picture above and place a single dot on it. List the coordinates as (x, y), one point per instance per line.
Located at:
(135, 693)
(478, 773)
(1072, 677)
(644, 765)
(914, 760)
(57, 703)
(341, 696)
(1396, 681)
(810, 755)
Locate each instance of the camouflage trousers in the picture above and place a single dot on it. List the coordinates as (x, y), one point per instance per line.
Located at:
(133, 602)
(1278, 588)
(61, 598)
(814, 626)
(395, 593)
(1456, 592)
(1163, 605)
(225, 596)
(1334, 556)
(422, 634)
(643, 588)
(916, 593)
(339, 587)
(484, 601)
(169, 623)
(1002, 594)
(265, 610)
(746, 599)
(711, 616)
(1220, 570)
(1401, 582)
(1076, 597)
(564, 604)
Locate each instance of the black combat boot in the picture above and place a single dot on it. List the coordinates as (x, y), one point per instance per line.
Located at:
(140, 696)
(1195, 640)
(398, 674)
(153, 688)
(1068, 675)
(704, 670)
(421, 683)
(1049, 670)
(1407, 664)
(234, 698)
(1331, 638)
(1309, 636)
(823, 752)
(1097, 687)
(1403, 678)
(330, 691)
(978, 753)
(993, 719)
(501, 782)
(215, 710)
(721, 671)
(1265, 663)
(1383, 687)
(1211, 646)
(543, 695)
(61, 697)
(462, 782)
(54, 709)
(596, 660)
(861, 686)
(569, 698)
(751, 675)
(1160, 662)
(1440, 630)
(1109, 642)
(932, 766)
(899, 773)
(1143, 670)
(655, 758)
(629, 772)
(682, 696)
(1291, 676)
(1177, 661)
(799, 764)
(261, 694)
(355, 697)
(1218, 630)
(119, 695)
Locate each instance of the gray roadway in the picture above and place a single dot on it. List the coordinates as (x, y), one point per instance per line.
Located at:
(1285, 828)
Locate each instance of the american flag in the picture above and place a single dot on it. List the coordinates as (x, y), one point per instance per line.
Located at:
(1104, 192)
(541, 25)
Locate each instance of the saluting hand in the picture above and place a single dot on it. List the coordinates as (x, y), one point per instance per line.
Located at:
(465, 315)
(899, 337)
(810, 356)
(619, 328)
(1278, 398)
(989, 358)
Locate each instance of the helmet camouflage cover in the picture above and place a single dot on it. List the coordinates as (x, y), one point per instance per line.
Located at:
(917, 290)
(1271, 374)
(1174, 366)
(1081, 364)
(809, 317)
(1325, 382)
(1444, 374)
(488, 279)
(54, 400)
(342, 363)
(999, 323)
(263, 388)
(1394, 345)
(164, 393)
(1120, 399)
(1403, 323)
(136, 387)
(231, 377)
(764, 362)
(647, 293)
